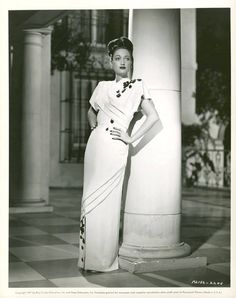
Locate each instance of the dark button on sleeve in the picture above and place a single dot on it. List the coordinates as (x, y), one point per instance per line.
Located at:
(112, 121)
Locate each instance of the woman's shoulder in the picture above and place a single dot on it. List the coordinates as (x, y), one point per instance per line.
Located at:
(136, 82)
(104, 83)
(141, 82)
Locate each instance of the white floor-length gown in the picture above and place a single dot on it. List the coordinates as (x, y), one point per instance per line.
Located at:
(104, 168)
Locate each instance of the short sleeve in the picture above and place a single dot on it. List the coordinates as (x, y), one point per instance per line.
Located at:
(94, 98)
(144, 95)
(145, 92)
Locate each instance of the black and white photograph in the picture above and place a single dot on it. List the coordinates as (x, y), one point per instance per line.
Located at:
(120, 150)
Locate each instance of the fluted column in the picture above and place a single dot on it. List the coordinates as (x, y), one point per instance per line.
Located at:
(30, 122)
(152, 215)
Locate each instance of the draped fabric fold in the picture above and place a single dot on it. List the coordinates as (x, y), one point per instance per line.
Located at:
(101, 193)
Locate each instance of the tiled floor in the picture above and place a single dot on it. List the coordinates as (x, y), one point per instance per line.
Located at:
(44, 246)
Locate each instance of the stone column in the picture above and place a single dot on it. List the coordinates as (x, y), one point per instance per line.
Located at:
(152, 213)
(188, 66)
(94, 20)
(125, 21)
(45, 111)
(30, 154)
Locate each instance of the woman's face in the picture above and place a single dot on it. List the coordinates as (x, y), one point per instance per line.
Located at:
(121, 62)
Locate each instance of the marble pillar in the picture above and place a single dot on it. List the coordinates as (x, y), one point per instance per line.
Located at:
(188, 66)
(29, 117)
(45, 109)
(152, 215)
(94, 19)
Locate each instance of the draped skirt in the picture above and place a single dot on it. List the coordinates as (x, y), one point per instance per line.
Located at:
(104, 168)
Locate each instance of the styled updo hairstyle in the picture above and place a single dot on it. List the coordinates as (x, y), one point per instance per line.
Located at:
(121, 43)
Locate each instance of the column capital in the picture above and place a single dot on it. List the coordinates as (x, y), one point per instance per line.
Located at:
(43, 30)
(34, 36)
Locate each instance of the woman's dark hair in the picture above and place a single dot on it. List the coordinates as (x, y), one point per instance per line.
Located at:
(121, 43)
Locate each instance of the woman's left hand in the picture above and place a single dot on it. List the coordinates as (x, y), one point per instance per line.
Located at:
(120, 135)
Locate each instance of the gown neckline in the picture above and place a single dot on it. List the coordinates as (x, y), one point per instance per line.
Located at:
(122, 79)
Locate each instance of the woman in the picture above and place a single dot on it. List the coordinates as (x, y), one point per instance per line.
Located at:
(113, 105)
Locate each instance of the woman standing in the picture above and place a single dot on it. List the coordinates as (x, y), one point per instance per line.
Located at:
(113, 104)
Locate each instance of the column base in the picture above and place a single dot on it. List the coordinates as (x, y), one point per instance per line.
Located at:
(30, 207)
(144, 265)
(17, 210)
(163, 252)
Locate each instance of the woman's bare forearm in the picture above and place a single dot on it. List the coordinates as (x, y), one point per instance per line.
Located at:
(152, 117)
(147, 124)
(92, 118)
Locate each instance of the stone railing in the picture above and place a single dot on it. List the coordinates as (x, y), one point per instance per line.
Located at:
(209, 167)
